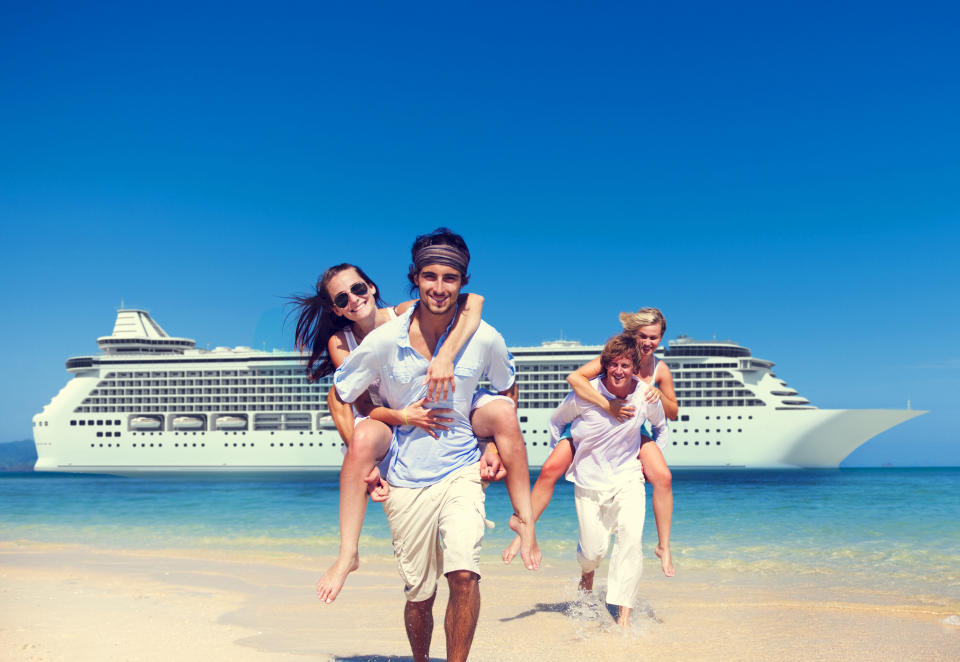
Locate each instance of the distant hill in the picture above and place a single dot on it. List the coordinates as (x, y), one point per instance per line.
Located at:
(18, 455)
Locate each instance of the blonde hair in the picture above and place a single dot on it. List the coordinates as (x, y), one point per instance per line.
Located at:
(643, 317)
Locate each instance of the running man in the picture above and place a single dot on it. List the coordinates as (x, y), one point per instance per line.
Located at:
(436, 503)
(607, 473)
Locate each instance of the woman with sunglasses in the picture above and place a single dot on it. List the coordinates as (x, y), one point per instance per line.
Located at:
(647, 325)
(346, 307)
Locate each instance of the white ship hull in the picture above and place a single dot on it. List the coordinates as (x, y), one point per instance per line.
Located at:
(247, 411)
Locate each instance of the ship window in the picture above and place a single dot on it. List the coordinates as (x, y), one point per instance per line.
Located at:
(83, 422)
(73, 422)
(99, 434)
(686, 443)
(718, 443)
(684, 418)
(99, 422)
(739, 430)
(523, 419)
(674, 443)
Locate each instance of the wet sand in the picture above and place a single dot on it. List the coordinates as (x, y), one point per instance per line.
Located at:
(81, 603)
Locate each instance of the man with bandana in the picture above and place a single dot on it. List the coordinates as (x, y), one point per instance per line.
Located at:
(436, 504)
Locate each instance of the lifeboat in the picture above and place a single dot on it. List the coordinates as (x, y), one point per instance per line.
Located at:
(231, 423)
(146, 423)
(188, 423)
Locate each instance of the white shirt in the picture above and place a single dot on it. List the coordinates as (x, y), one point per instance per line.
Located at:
(606, 450)
(416, 459)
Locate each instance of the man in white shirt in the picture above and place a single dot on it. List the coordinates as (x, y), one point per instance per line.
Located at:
(436, 503)
(607, 474)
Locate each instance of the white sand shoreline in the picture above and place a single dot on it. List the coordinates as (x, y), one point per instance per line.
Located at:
(78, 603)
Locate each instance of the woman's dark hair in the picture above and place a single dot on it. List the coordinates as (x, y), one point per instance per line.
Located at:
(439, 237)
(317, 322)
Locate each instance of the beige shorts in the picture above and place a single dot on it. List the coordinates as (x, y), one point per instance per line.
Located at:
(436, 530)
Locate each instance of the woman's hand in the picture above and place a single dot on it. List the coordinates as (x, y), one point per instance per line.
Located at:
(427, 419)
(439, 379)
(620, 410)
(653, 394)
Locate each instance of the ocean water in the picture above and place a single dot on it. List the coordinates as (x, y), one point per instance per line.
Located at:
(866, 528)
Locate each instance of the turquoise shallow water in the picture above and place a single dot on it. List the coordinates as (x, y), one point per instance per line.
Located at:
(871, 528)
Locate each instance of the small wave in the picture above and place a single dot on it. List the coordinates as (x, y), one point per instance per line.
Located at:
(954, 619)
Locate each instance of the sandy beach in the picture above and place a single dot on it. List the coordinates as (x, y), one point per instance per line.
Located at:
(84, 603)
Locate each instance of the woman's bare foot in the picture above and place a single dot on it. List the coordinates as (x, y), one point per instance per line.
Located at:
(666, 562)
(623, 617)
(512, 549)
(332, 581)
(528, 548)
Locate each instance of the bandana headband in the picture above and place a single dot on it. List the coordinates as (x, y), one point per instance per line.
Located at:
(442, 254)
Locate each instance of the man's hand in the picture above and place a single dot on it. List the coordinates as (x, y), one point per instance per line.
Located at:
(376, 485)
(491, 468)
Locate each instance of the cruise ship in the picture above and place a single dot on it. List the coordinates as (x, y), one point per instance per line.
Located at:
(153, 403)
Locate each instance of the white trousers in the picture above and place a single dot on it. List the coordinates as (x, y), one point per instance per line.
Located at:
(618, 511)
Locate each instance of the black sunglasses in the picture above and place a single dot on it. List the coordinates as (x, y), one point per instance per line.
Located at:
(342, 299)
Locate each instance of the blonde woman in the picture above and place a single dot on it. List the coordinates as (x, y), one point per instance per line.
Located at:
(647, 325)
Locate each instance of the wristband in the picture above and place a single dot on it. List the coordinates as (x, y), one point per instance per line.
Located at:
(403, 412)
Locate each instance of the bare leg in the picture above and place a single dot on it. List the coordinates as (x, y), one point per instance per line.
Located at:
(371, 440)
(498, 419)
(418, 619)
(463, 610)
(658, 473)
(586, 581)
(556, 465)
(623, 616)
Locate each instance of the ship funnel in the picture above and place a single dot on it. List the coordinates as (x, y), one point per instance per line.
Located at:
(135, 331)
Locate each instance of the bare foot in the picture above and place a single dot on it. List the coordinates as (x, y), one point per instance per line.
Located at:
(623, 617)
(665, 561)
(529, 549)
(332, 581)
(514, 547)
(511, 550)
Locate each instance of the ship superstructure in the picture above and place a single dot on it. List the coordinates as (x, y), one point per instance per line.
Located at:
(155, 403)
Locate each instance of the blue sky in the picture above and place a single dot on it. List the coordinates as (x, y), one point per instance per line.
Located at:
(784, 176)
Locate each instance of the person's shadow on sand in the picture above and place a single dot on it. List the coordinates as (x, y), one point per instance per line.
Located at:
(570, 608)
(555, 607)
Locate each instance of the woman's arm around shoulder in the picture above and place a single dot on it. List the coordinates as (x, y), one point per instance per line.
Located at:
(439, 379)
(579, 381)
